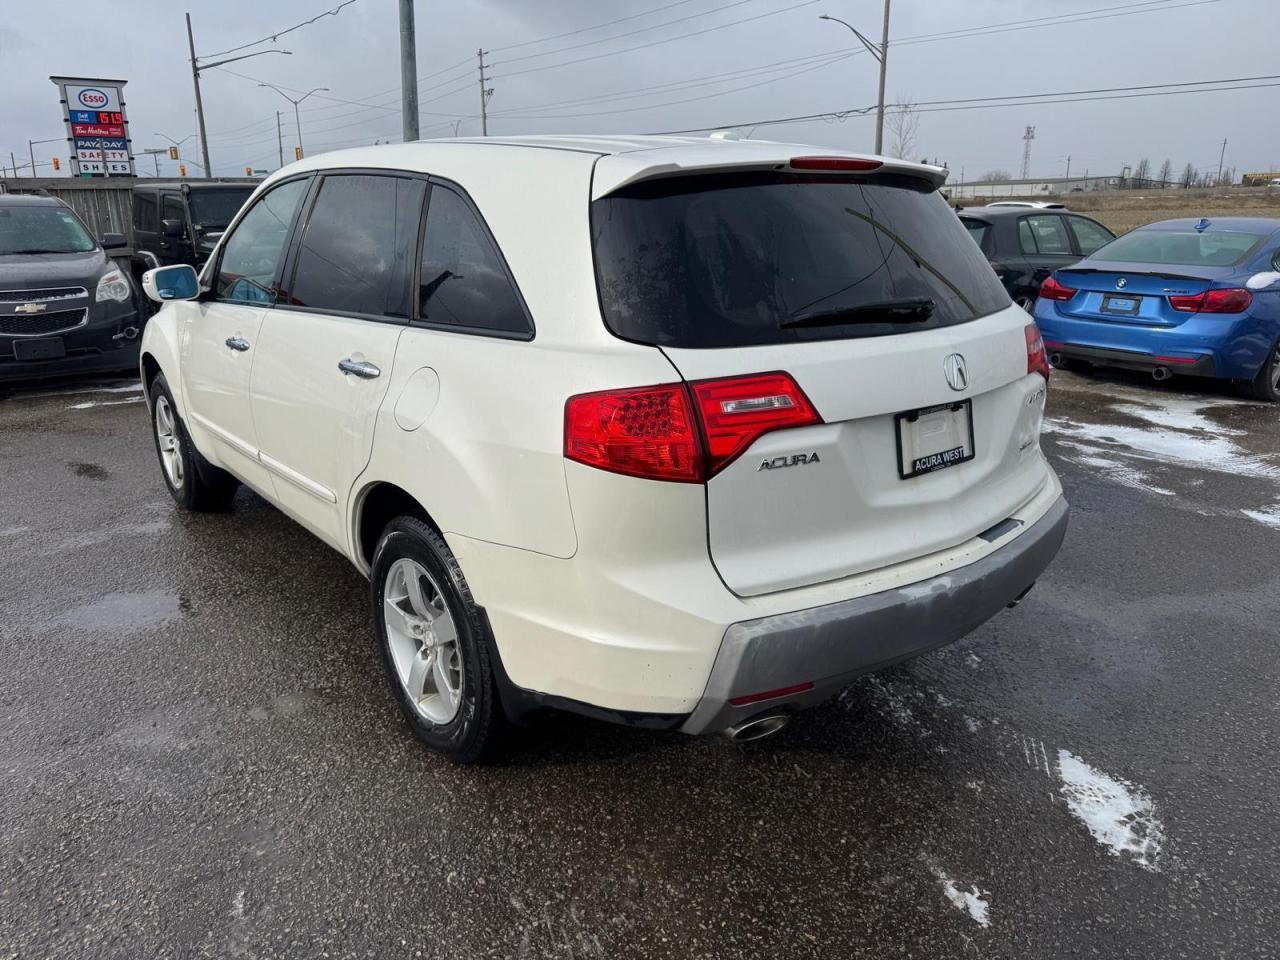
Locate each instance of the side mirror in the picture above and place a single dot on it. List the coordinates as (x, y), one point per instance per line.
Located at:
(173, 229)
(112, 241)
(171, 283)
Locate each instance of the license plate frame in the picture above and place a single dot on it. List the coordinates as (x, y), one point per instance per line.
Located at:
(1115, 304)
(44, 348)
(916, 459)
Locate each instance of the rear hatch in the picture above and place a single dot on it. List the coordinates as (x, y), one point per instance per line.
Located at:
(866, 291)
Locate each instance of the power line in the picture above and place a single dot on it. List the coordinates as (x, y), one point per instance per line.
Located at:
(654, 43)
(1013, 100)
(272, 37)
(598, 26)
(630, 33)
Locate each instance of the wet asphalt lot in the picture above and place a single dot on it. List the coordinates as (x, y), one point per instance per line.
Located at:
(198, 757)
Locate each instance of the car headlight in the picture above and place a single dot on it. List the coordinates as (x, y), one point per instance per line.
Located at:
(114, 285)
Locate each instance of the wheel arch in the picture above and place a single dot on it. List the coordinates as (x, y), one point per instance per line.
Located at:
(375, 505)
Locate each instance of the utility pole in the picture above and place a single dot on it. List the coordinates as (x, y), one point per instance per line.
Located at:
(279, 138)
(408, 73)
(884, 63)
(881, 53)
(1027, 137)
(1068, 189)
(485, 93)
(1221, 157)
(195, 79)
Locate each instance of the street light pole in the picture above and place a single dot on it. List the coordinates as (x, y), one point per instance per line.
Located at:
(279, 139)
(297, 120)
(195, 80)
(881, 53)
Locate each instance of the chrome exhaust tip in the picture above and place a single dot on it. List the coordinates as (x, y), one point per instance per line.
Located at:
(1160, 373)
(757, 727)
(1055, 359)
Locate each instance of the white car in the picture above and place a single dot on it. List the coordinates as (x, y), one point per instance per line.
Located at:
(1033, 204)
(673, 432)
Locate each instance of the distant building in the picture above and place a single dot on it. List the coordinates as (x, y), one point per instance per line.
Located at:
(1043, 187)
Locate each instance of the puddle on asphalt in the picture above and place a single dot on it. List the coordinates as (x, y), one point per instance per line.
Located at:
(125, 611)
(90, 471)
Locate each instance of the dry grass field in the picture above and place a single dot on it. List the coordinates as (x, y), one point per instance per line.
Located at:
(1123, 210)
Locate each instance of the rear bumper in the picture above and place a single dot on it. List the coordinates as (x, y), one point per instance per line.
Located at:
(1204, 345)
(831, 645)
(1132, 360)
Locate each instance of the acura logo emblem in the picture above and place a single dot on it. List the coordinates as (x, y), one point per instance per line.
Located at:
(1121, 283)
(954, 370)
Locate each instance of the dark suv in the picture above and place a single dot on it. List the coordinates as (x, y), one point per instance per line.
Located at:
(65, 307)
(1026, 244)
(181, 222)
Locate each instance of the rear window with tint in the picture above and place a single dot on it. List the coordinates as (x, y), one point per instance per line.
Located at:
(1185, 247)
(726, 260)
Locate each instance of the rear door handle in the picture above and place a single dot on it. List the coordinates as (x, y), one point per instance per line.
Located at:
(360, 368)
(237, 343)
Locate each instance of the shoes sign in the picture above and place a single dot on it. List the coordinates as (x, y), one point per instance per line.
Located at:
(93, 112)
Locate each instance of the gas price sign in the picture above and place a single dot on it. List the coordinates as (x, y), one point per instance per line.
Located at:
(97, 126)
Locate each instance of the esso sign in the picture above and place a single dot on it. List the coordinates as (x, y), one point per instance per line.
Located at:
(94, 99)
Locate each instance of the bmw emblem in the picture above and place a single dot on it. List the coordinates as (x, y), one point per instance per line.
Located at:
(1121, 283)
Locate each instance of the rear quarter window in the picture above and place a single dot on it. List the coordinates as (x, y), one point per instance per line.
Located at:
(728, 259)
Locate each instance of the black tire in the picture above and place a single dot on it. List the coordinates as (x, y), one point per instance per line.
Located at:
(1266, 385)
(196, 485)
(476, 728)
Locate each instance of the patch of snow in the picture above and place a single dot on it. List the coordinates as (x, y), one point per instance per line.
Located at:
(1268, 515)
(12, 531)
(135, 387)
(973, 725)
(973, 660)
(973, 901)
(1116, 470)
(1198, 450)
(103, 403)
(1119, 815)
(237, 905)
(1260, 281)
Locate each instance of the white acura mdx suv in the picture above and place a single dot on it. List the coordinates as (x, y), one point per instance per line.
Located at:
(673, 432)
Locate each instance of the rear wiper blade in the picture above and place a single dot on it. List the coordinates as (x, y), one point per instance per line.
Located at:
(906, 310)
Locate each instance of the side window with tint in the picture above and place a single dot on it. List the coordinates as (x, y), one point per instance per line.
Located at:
(1090, 236)
(171, 209)
(144, 212)
(356, 252)
(464, 282)
(252, 254)
(1050, 235)
(1026, 239)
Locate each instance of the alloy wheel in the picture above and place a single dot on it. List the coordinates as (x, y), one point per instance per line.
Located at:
(167, 441)
(423, 641)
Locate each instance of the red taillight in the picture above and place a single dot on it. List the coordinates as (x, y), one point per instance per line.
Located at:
(854, 164)
(1051, 289)
(1235, 300)
(652, 432)
(645, 432)
(751, 698)
(736, 411)
(1037, 359)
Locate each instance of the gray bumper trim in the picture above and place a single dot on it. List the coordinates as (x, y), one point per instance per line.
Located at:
(831, 645)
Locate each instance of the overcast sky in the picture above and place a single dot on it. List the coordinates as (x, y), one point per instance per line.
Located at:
(728, 73)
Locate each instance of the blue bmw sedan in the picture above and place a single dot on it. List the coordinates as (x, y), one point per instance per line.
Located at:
(1191, 297)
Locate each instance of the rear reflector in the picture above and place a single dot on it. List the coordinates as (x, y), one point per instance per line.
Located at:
(1051, 289)
(685, 433)
(1178, 359)
(751, 698)
(1235, 300)
(853, 164)
(736, 411)
(1037, 359)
